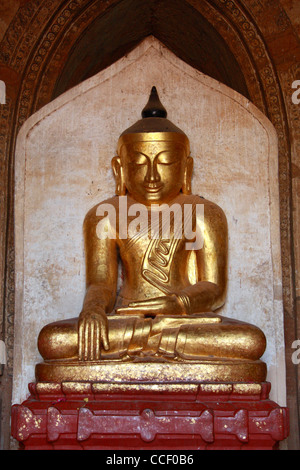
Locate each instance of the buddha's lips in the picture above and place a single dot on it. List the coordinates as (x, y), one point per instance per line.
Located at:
(152, 188)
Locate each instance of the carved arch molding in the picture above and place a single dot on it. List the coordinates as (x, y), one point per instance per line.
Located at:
(52, 45)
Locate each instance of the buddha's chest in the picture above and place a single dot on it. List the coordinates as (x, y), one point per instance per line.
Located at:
(157, 261)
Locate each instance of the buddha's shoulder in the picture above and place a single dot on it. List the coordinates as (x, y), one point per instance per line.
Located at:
(101, 208)
(209, 206)
(214, 216)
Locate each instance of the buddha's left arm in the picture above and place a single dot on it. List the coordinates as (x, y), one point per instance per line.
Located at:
(210, 290)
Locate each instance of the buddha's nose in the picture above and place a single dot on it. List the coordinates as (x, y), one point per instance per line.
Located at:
(152, 175)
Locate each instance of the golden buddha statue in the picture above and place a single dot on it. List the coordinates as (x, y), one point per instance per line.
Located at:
(165, 309)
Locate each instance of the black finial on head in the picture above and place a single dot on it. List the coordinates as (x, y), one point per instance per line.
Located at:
(154, 108)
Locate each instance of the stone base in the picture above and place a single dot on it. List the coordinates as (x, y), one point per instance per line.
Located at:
(141, 416)
(206, 370)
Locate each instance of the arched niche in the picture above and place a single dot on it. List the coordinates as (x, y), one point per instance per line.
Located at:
(129, 22)
(63, 168)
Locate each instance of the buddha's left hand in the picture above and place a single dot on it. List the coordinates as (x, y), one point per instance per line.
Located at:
(167, 305)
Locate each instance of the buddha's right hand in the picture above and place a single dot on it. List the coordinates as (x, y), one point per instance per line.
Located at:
(92, 334)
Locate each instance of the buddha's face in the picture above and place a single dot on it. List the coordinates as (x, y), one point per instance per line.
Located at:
(153, 172)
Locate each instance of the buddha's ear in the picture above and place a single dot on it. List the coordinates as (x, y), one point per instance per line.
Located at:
(118, 172)
(187, 181)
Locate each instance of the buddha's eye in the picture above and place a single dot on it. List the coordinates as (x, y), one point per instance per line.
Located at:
(167, 158)
(138, 159)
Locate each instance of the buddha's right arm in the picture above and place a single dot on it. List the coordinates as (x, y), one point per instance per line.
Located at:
(98, 297)
(101, 267)
(101, 283)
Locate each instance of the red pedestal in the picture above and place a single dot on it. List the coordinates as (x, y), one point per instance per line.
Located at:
(131, 416)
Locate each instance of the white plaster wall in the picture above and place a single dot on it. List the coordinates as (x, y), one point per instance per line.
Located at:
(63, 168)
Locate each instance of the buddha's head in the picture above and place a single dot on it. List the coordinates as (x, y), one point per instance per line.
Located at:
(153, 163)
